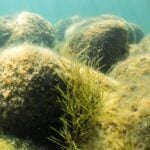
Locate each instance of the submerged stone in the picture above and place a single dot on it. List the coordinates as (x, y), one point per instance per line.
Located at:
(28, 96)
(26, 27)
(135, 32)
(105, 42)
(134, 67)
(124, 121)
(29, 27)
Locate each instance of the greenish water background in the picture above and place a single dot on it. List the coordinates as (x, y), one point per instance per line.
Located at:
(137, 11)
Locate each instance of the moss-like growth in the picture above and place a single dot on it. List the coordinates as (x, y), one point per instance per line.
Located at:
(31, 28)
(125, 119)
(134, 67)
(81, 104)
(105, 41)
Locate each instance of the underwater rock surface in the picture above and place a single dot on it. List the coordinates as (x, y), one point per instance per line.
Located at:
(135, 33)
(106, 42)
(125, 118)
(134, 67)
(28, 77)
(26, 27)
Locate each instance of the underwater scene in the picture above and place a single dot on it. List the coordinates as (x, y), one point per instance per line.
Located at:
(75, 75)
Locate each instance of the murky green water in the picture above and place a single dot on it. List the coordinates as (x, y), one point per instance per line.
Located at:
(132, 10)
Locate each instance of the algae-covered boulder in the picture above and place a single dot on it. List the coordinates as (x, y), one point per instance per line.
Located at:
(104, 41)
(135, 32)
(142, 47)
(133, 68)
(124, 121)
(31, 28)
(29, 77)
(62, 25)
(125, 117)
(86, 23)
(131, 103)
(5, 31)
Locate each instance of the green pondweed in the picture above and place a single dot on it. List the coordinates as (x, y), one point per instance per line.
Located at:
(81, 103)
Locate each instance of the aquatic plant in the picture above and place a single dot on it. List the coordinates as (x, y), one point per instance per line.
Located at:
(81, 104)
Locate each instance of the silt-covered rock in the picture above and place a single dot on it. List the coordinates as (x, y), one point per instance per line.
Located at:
(29, 27)
(29, 77)
(26, 27)
(105, 41)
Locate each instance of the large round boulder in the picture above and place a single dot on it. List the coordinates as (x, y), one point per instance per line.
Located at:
(135, 32)
(31, 28)
(124, 122)
(135, 67)
(28, 96)
(104, 41)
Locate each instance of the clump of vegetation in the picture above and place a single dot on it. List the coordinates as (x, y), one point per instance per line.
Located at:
(81, 104)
